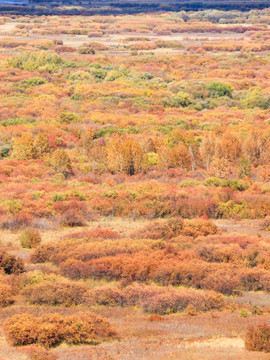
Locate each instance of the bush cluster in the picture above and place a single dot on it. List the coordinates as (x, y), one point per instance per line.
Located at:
(53, 329)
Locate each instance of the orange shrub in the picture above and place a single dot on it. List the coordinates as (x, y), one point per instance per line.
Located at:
(258, 338)
(52, 329)
(6, 295)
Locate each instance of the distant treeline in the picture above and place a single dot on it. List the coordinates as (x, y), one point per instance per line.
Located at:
(104, 7)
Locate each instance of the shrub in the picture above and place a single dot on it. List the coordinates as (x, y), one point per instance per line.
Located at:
(244, 313)
(6, 295)
(265, 224)
(157, 299)
(217, 89)
(258, 338)
(17, 221)
(155, 317)
(53, 329)
(161, 300)
(63, 49)
(22, 329)
(108, 296)
(199, 227)
(69, 118)
(56, 293)
(10, 264)
(61, 162)
(72, 218)
(155, 230)
(43, 60)
(182, 99)
(87, 51)
(176, 225)
(34, 81)
(30, 238)
(103, 234)
(161, 229)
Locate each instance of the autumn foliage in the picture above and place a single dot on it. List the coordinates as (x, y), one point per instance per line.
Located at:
(258, 338)
(53, 329)
(135, 180)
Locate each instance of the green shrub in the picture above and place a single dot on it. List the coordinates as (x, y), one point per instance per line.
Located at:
(36, 60)
(189, 183)
(5, 150)
(234, 184)
(182, 99)
(35, 81)
(244, 313)
(212, 181)
(69, 118)
(30, 238)
(231, 209)
(218, 89)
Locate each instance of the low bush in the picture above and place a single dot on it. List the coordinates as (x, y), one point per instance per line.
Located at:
(155, 230)
(258, 338)
(9, 264)
(156, 299)
(108, 296)
(173, 227)
(53, 329)
(199, 227)
(56, 293)
(6, 295)
(16, 221)
(72, 218)
(265, 224)
(30, 238)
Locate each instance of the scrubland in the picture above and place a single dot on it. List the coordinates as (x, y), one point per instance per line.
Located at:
(134, 174)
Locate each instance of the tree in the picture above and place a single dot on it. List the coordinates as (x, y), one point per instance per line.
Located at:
(126, 156)
(220, 168)
(86, 139)
(229, 147)
(174, 137)
(23, 147)
(244, 169)
(61, 161)
(179, 156)
(207, 150)
(41, 145)
(257, 146)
